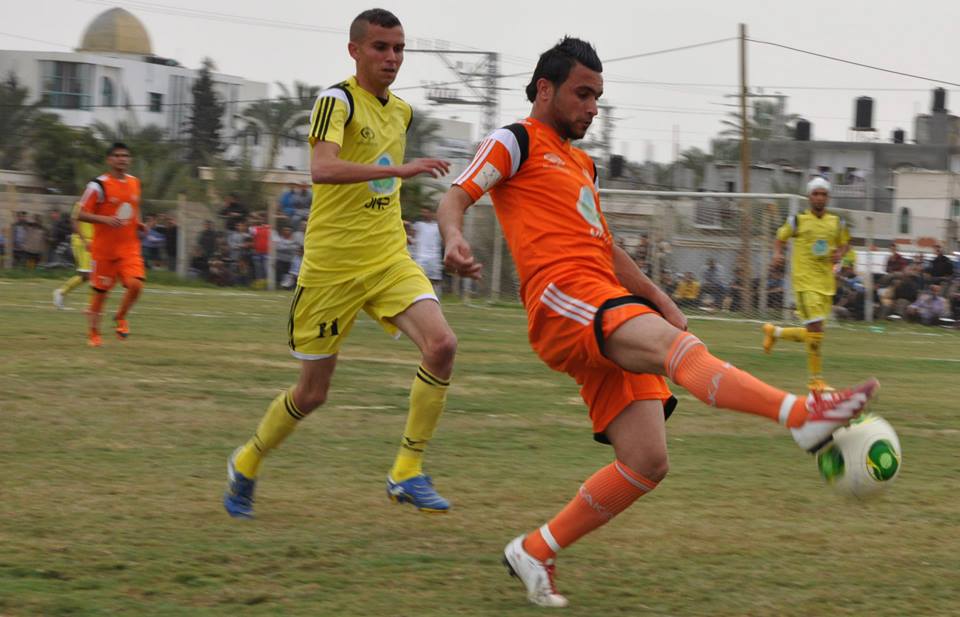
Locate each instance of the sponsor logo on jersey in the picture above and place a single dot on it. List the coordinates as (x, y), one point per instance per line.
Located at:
(383, 186)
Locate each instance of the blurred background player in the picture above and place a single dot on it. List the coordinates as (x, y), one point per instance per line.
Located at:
(820, 240)
(112, 203)
(355, 257)
(593, 314)
(80, 242)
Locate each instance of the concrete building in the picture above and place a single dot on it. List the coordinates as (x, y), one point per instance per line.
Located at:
(863, 171)
(114, 76)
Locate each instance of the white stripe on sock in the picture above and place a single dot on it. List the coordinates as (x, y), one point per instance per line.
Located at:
(786, 406)
(549, 539)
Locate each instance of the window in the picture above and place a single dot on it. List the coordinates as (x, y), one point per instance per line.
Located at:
(65, 85)
(905, 220)
(106, 92)
(731, 187)
(955, 209)
(156, 101)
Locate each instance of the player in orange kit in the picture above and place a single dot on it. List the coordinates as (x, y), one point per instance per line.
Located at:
(112, 203)
(593, 314)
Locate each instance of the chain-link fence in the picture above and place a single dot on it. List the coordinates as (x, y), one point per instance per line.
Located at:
(713, 252)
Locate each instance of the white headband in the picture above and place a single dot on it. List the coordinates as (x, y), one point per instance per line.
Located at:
(818, 183)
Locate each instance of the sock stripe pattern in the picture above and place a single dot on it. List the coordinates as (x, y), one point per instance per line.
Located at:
(291, 407)
(720, 384)
(605, 494)
(427, 377)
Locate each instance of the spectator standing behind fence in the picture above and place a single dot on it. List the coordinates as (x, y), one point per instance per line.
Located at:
(241, 248)
(232, 211)
(20, 227)
(928, 308)
(260, 232)
(428, 248)
(154, 242)
(171, 239)
(896, 262)
(287, 201)
(207, 240)
(35, 245)
(712, 281)
(285, 250)
(60, 232)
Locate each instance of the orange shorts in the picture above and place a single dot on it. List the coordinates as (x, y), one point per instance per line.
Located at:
(566, 333)
(106, 272)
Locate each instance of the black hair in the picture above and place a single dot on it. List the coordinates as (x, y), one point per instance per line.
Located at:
(117, 145)
(377, 17)
(556, 62)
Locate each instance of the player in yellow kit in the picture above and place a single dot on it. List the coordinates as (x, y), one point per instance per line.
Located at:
(80, 243)
(820, 240)
(355, 258)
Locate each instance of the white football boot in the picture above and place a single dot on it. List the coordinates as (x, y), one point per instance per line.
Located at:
(828, 411)
(537, 576)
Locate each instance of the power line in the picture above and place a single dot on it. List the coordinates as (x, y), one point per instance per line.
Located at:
(860, 64)
(28, 38)
(669, 50)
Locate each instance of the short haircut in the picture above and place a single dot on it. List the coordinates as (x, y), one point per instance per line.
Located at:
(556, 62)
(117, 145)
(377, 17)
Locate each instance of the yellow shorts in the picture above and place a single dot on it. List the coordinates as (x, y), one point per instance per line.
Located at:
(321, 317)
(813, 306)
(81, 256)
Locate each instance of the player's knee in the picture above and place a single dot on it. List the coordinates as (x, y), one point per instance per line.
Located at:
(135, 285)
(441, 349)
(651, 465)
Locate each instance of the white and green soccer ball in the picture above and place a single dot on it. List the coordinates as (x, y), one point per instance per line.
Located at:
(863, 458)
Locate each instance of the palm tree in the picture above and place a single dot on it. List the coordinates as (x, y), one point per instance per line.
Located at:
(157, 162)
(280, 118)
(696, 160)
(767, 121)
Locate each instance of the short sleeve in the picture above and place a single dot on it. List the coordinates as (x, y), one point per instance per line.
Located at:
(92, 195)
(329, 117)
(788, 229)
(498, 158)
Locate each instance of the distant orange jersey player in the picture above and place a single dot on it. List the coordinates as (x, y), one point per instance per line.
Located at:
(111, 202)
(119, 197)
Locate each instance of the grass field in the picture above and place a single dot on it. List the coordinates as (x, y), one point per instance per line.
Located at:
(113, 465)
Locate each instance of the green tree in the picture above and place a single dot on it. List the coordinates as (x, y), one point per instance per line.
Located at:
(61, 155)
(16, 116)
(205, 121)
(158, 163)
(420, 191)
(279, 118)
(767, 120)
(241, 179)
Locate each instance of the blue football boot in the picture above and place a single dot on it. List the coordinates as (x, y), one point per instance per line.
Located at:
(419, 492)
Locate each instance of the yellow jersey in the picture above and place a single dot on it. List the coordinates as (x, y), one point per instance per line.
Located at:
(84, 230)
(815, 239)
(356, 229)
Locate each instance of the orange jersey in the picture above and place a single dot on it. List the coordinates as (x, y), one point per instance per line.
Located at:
(545, 194)
(110, 196)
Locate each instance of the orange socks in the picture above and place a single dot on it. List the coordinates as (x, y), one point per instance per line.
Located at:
(133, 292)
(97, 299)
(604, 495)
(720, 384)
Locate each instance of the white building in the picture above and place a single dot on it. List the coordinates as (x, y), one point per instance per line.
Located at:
(926, 209)
(114, 76)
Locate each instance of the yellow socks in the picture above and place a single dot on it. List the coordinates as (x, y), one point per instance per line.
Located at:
(814, 359)
(428, 394)
(280, 420)
(798, 335)
(72, 283)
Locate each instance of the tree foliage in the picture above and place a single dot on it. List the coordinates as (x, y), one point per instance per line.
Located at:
(16, 116)
(280, 118)
(205, 123)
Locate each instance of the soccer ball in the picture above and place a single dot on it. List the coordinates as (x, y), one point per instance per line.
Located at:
(863, 458)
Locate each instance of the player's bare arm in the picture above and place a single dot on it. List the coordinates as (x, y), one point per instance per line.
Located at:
(632, 277)
(111, 221)
(326, 167)
(778, 252)
(457, 257)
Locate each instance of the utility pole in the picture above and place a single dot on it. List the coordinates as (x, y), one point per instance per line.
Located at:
(486, 94)
(745, 218)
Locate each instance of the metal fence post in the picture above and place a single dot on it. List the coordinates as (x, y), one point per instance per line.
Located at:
(182, 236)
(868, 278)
(497, 265)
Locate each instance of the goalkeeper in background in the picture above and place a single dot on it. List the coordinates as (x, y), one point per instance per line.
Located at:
(820, 240)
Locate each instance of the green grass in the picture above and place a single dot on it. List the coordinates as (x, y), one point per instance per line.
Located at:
(112, 464)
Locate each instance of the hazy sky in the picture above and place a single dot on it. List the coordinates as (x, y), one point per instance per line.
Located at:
(306, 40)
